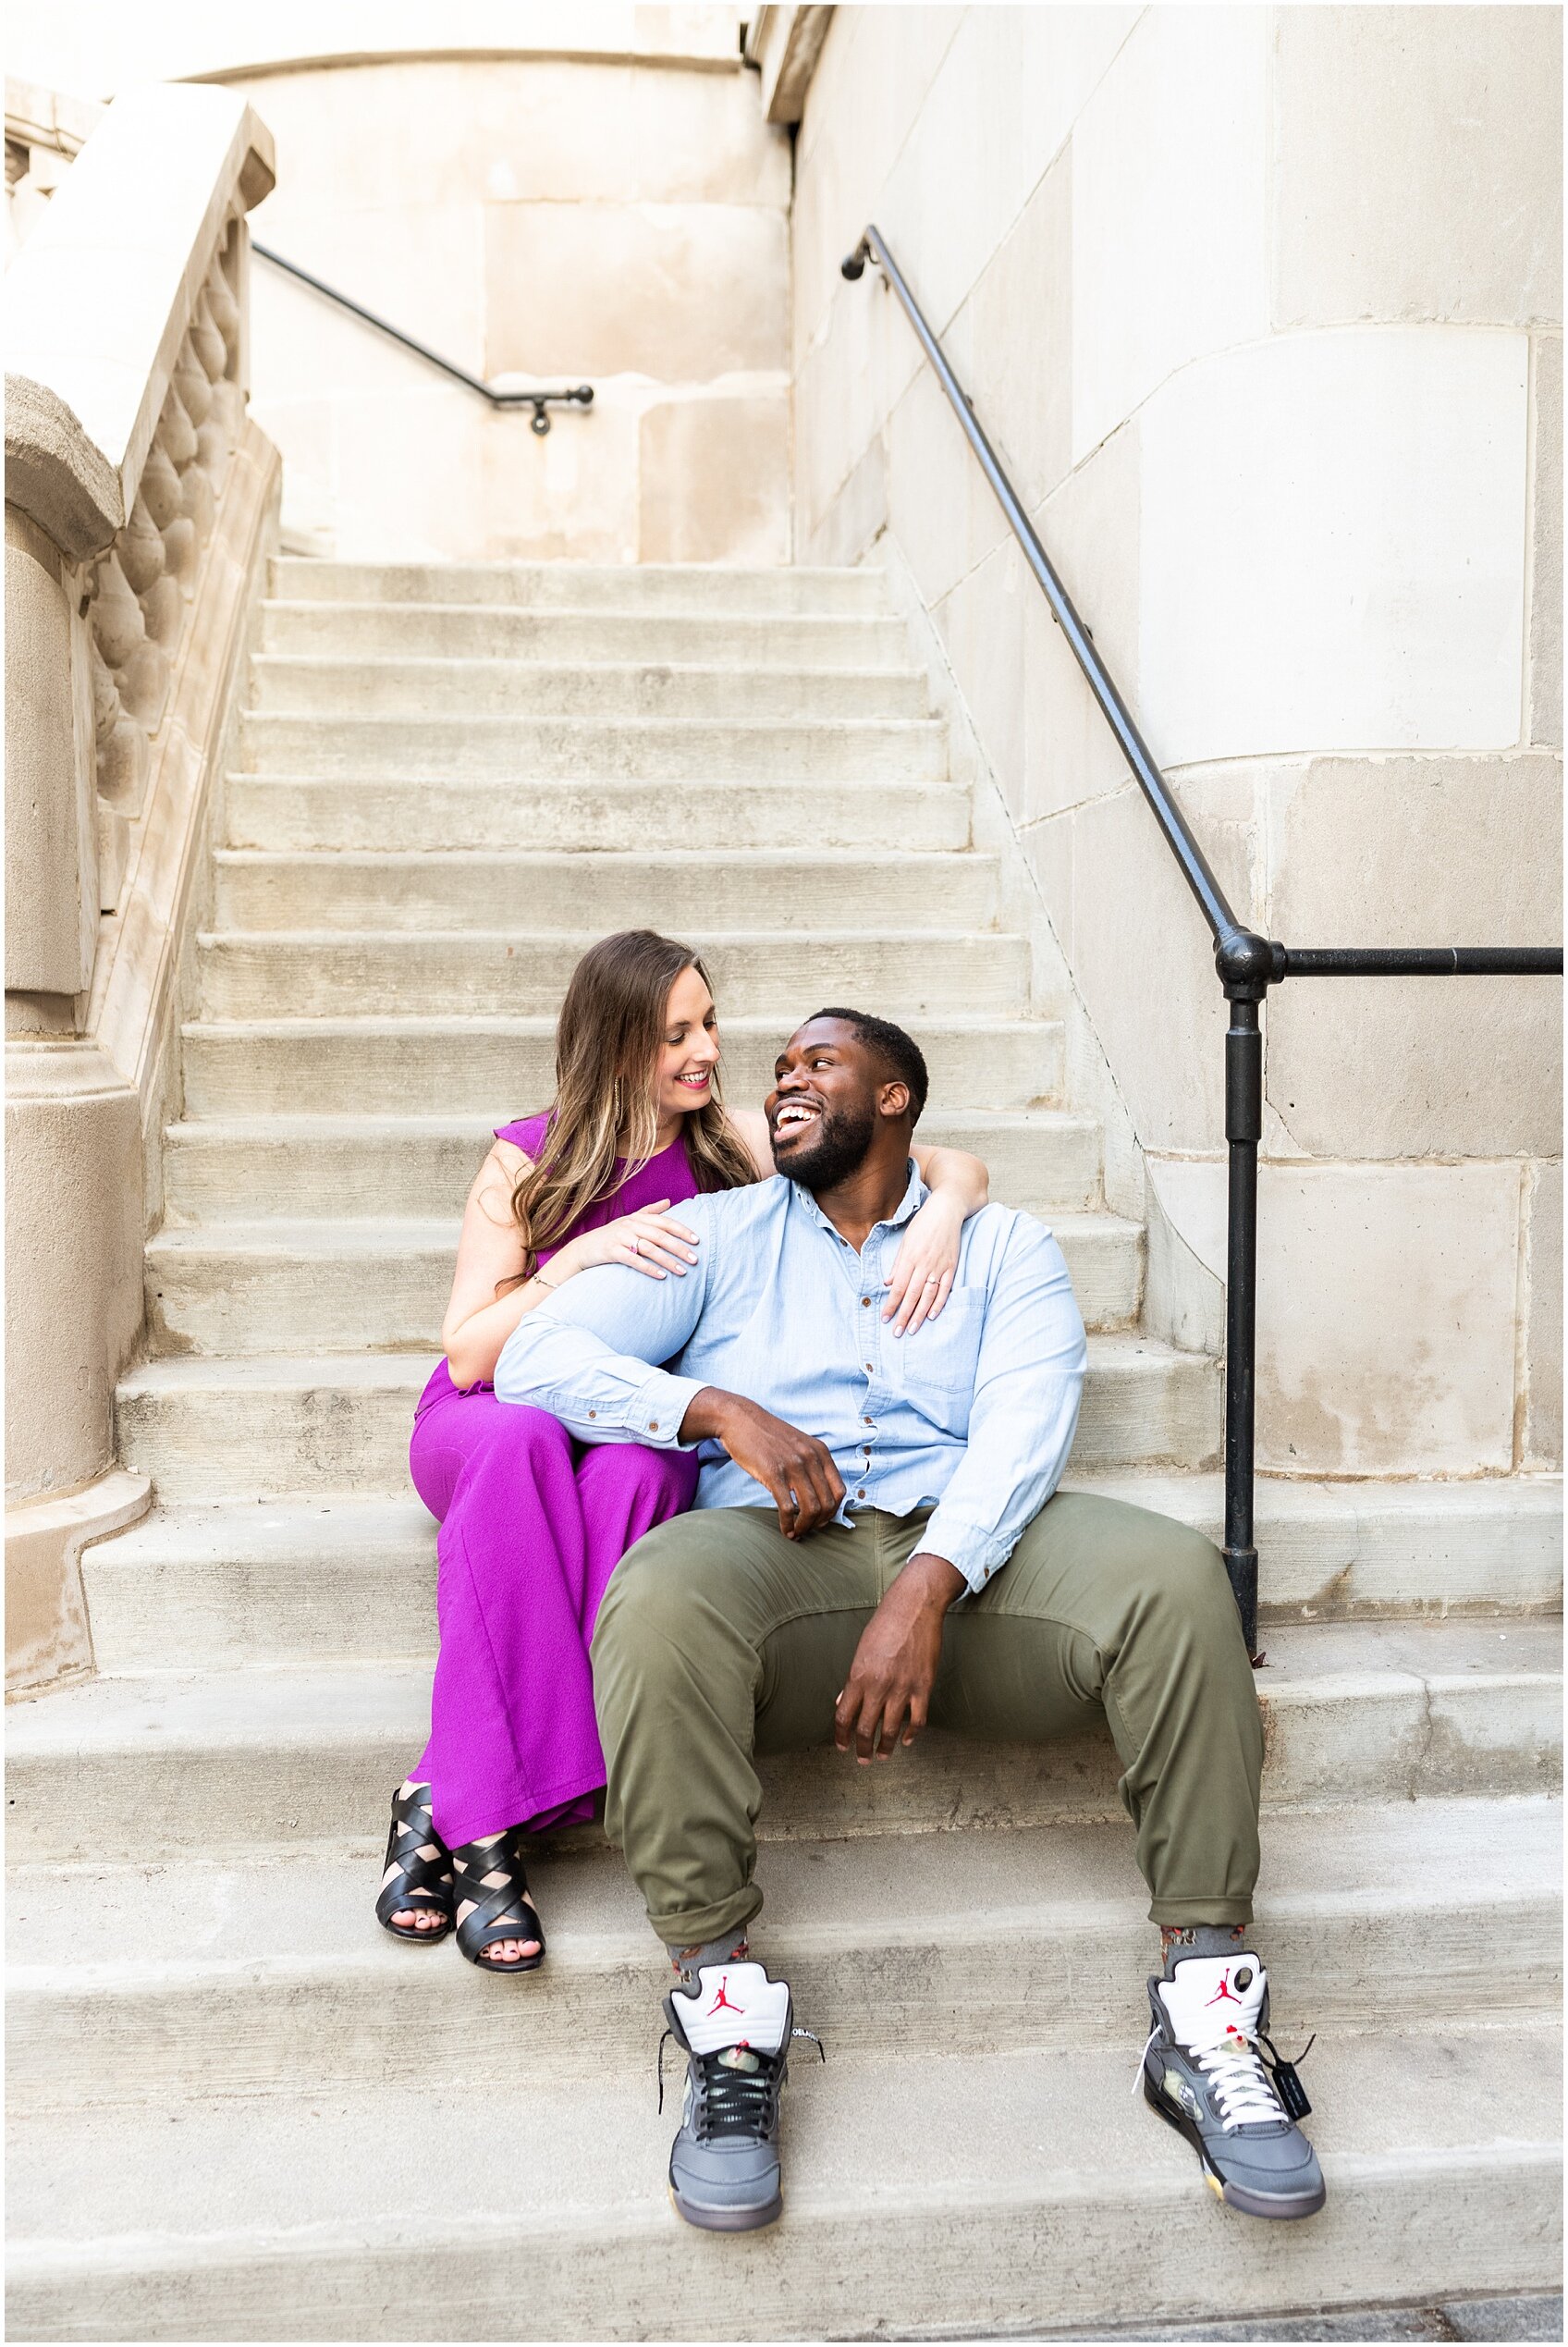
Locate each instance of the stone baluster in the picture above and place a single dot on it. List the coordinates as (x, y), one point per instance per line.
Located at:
(141, 590)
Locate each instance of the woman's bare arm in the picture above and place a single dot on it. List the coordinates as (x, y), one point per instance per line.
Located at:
(955, 1175)
(479, 1321)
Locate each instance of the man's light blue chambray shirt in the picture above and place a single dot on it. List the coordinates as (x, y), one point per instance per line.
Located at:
(975, 1413)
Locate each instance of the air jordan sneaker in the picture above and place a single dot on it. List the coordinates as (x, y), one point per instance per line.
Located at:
(734, 2029)
(1204, 2075)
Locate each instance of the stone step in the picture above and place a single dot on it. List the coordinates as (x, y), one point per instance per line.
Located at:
(928, 2196)
(447, 1066)
(318, 685)
(492, 630)
(513, 973)
(338, 1167)
(651, 749)
(314, 1582)
(578, 894)
(221, 1429)
(382, 1285)
(407, 812)
(163, 1763)
(160, 1985)
(586, 586)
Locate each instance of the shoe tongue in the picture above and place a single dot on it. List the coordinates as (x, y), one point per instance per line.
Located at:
(1207, 1996)
(735, 2005)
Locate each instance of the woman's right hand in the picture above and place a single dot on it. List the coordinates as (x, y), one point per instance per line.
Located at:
(651, 1241)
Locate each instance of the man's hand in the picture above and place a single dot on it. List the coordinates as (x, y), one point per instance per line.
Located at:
(895, 1665)
(795, 1468)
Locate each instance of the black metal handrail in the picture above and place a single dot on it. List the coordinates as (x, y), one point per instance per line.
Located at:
(579, 396)
(1247, 965)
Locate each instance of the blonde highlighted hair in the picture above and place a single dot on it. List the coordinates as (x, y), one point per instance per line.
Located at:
(604, 1122)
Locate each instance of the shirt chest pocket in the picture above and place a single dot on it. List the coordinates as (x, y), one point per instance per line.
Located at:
(936, 1366)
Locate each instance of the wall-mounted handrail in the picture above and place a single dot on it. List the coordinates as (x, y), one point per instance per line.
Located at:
(1247, 965)
(581, 395)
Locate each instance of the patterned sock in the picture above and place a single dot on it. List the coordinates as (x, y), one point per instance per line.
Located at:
(1177, 1940)
(728, 1949)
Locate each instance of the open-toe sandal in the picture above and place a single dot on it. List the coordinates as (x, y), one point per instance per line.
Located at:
(420, 1881)
(500, 1911)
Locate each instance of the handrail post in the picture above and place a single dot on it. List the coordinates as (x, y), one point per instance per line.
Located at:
(1245, 963)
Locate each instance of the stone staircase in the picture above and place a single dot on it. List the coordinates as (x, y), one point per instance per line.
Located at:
(239, 2111)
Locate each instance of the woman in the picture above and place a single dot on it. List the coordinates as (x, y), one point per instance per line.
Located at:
(533, 1525)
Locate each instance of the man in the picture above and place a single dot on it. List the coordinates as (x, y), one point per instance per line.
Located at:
(901, 1560)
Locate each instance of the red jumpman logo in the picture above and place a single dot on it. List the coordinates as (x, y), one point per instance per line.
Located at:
(1224, 1991)
(723, 2003)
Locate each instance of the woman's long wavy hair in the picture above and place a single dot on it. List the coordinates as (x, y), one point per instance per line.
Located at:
(608, 1044)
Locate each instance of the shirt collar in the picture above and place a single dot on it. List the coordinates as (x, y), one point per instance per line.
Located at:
(914, 1196)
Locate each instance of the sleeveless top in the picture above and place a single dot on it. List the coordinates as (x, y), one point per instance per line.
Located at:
(669, 1174)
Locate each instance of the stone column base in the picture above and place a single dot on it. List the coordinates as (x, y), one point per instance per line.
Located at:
(47, 1637)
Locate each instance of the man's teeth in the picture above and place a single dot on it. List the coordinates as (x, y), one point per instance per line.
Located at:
(796, 1113)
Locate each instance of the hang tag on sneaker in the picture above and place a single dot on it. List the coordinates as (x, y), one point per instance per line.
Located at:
(1291, 2091)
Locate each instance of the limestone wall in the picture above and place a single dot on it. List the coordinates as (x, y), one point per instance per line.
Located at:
(1263, 308)
(618, 219)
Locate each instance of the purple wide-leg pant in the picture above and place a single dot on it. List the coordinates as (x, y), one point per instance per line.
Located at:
(533, 1525)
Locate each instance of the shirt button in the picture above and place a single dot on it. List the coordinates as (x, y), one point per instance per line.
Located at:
(860, 1493)
(653, 1426)
(592, 1413)
(868, 1421)
(865, 1299)
(868, 1368)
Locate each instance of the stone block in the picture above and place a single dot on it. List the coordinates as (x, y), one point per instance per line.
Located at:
(997, 113)
(1140, 951)
(857, 516)
(1332, 545)
(1169, 207)
(1545, 698)
(715, 481)
(1416, 852)
(73, 1260)
(418, 264)
(1542, 1430)
(1386, 1310)
(50, 857)
(679, 293)
(939, 505)
(476, 483)
(1417, 165)
(1011, 342)
(1387, 1318)
(1042, 732)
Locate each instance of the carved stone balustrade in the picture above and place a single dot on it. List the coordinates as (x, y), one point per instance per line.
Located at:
(138, 503)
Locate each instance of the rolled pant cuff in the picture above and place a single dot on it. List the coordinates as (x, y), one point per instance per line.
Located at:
(700, 1923)
(1201, 1910)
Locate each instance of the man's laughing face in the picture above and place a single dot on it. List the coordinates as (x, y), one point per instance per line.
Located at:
(821, 1111)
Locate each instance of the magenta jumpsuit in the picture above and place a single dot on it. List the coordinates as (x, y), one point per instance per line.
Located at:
(533, 1525)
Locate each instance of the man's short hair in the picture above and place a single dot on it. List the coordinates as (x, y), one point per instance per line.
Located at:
(900, 1053)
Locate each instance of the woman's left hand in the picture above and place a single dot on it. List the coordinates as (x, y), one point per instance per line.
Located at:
(923, 1272)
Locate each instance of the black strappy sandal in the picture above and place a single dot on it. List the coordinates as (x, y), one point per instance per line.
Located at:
(420, 1881)
(501, 1911)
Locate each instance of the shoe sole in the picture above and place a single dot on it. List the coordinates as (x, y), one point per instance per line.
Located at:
(1233, 2195)
(726, 2220)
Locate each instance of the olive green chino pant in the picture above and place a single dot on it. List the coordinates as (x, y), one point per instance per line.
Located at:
(718, 1639)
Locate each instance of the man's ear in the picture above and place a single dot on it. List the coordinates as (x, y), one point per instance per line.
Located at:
(892, 1101)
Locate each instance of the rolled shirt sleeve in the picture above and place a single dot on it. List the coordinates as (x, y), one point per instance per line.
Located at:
(1028, 1387)
(588, 1355)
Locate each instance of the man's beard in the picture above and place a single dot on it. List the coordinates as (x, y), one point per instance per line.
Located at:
(836, 1150)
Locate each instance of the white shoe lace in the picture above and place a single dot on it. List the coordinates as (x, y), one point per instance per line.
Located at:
(1243, 2088)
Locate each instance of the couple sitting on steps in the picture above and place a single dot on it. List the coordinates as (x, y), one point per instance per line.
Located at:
(870, 1387)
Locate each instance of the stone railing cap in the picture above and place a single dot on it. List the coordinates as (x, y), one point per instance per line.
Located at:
(100, 297)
